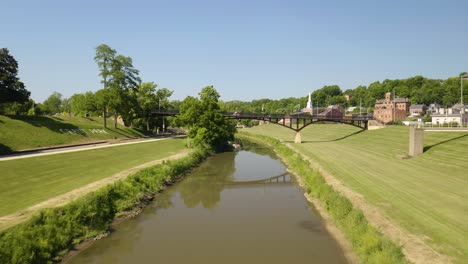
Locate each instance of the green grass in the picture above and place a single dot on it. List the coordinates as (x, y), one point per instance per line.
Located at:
(49, 234)
(25, 132)
(367, 242)
(427, 194)
(25, 182)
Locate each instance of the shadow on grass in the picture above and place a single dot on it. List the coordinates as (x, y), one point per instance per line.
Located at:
(124, 133)
(52, 123)
(128, 132)
(442, 142)
(331, 140)
(5, 149)
(89, 118)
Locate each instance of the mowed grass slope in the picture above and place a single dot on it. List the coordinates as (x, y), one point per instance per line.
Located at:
(26, 182)
(428, 194)
(25, 132)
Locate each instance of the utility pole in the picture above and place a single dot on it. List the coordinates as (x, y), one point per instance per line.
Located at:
(461, 101)
(462, 107)
(394, 105)
(360, 106)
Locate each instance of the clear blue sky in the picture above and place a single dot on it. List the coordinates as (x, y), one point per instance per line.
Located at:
(246, 49)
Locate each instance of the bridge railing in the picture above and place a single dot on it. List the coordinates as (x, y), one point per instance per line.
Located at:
(165, 112)
(295, 116)
(263, 116)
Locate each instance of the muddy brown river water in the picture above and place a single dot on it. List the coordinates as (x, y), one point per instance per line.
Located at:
(237, 207)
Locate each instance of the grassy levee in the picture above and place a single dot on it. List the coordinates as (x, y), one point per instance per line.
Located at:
(49, 234)
(427, 195)
(26, 132)
(26, 182)
(368, 243)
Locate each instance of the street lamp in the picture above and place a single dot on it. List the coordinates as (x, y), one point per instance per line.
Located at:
(462, 107)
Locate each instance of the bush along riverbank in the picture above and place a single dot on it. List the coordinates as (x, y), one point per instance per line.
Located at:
(51, 233)
(367, 242)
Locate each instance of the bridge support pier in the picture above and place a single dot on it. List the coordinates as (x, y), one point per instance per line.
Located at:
(297, 139)
(416, 141)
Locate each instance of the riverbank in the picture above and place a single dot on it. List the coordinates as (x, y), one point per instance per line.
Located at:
(7, 221)
(424, 197)
(367, 243)
(52, 232)
(27, 182)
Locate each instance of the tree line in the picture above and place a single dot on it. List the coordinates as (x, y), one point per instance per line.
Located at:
(123, 93)
(419, 89)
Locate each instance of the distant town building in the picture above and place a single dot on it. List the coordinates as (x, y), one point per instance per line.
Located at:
(388, 110)
(453, 115)
(353, 108)
(433, 108)
(332, 111)
(458, 107)
(417, 110)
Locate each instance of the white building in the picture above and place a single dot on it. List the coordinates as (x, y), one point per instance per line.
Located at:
(450, 116)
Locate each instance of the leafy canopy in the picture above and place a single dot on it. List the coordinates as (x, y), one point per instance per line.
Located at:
(11, 88)
(208, 127)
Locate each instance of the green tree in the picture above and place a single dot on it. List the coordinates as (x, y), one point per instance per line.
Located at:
(104, 58)
(123, 77)
(149, 99)
(53, 104)
(189, 110)
(328, 95)
(101, 98)
(451, 92)
(83, 103)
(78, 104)
(118, 78)
(65, 105)
(208, 126)
(11, 88)
(17, 108)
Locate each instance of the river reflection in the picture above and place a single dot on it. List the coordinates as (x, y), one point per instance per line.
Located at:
(223, 212)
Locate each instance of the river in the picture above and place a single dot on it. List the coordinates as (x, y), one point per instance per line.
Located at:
(223, 212)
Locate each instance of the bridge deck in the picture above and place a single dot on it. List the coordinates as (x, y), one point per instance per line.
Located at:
(294, 121)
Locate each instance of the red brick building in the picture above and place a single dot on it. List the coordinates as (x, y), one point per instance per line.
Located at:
(388, 110)
(332, 111)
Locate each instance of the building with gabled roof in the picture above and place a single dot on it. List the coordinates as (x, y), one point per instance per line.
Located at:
(391, 110)
(417, 109)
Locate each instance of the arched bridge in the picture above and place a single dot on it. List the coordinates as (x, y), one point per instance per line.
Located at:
(282, 179)
(296, 121)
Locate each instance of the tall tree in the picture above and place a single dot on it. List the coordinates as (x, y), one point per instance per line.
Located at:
(104, 58)
(209, 128)
(123, 77)
(11, 88)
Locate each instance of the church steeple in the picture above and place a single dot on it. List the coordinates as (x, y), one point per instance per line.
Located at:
(309, 103)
